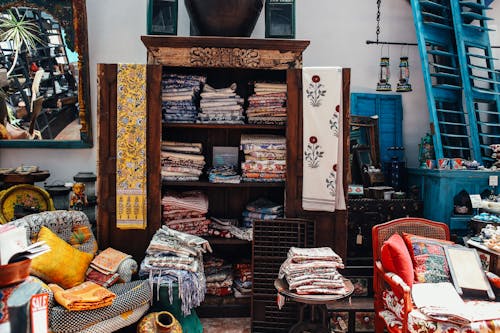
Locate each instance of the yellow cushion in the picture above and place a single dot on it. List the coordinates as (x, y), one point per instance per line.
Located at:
(63, 264)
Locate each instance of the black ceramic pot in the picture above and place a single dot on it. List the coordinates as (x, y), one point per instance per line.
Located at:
(232, 18)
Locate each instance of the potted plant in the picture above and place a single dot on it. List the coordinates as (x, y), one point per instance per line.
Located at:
(20, 32)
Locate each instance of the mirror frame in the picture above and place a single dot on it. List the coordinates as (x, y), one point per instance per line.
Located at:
(372, 125)
(81, 47)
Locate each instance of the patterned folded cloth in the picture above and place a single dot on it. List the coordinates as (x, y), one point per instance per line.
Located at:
(86, 296)
(109, 260)
(102, 279)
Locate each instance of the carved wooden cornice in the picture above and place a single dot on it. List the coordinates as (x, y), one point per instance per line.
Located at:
(225, 52)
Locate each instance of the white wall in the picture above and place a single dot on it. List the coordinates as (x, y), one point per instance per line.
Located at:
(337, 30)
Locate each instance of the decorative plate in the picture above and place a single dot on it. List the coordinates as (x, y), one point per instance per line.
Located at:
(25, 197)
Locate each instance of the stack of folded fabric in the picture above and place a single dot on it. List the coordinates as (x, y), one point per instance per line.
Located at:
(85, 296)
(261, 209)
(243, 280)
(103, 268)
(219, 277)
(313, 271)
(228, 228)
(180, 94)
(268, 104)
(224, 174)
(221, 106)
(186, 211)
(173, 257)
(265, 157)
(181, 161)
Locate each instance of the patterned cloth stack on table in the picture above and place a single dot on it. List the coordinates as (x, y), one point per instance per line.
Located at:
(261, 209)
(181, 161)
(180, 94)
(265, 157)
(221, 106)
(268, 104)
(173, 257)
(186, 212)
(313, 271)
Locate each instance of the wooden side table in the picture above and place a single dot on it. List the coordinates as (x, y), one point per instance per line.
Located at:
(489, 258)
(316, 303)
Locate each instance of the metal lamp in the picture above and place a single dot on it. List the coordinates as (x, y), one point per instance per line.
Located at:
(404, 75)
(384, 75)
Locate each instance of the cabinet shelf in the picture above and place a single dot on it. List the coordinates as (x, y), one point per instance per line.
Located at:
(207, 184)
(226, 241)
(224, 126)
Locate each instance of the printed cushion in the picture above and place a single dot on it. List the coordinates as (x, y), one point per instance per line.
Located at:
(396, 258)
(428, 258)
(63, 264)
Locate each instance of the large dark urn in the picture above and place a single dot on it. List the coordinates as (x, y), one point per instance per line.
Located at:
(231, 18)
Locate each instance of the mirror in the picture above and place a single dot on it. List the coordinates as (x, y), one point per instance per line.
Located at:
(364, 146)
(45, 98)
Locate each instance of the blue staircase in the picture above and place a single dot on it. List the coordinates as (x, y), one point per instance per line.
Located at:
(461, 88)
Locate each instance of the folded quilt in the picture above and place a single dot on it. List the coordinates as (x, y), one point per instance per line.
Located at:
(108, 260)
(86, 296)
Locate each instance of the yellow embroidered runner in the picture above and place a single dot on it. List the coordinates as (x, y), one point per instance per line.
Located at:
(131, 171)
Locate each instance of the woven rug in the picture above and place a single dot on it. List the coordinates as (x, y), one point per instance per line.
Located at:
(322, 139)
(131, 166)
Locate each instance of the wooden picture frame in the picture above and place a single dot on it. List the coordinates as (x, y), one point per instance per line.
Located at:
(467, 272)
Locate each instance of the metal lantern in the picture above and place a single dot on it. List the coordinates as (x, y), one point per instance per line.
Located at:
(384, 75)
(87, 178)
(404, 75)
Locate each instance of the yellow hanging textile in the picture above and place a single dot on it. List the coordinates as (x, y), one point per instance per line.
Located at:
(131, 166)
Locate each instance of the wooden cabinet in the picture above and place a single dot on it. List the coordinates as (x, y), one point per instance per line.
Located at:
(223, 61)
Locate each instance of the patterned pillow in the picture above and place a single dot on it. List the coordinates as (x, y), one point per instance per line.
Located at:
(63, 264)
(428, 257)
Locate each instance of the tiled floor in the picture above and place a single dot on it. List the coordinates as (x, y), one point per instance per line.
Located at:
(226, 325)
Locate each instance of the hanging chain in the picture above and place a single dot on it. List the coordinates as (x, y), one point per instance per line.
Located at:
(377, 31)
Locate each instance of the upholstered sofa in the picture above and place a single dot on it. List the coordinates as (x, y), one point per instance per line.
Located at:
(132, 297)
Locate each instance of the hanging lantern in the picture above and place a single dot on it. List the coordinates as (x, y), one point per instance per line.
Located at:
(384, 75)
(404, 75)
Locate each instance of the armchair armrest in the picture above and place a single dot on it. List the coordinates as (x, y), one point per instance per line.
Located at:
(126, 269)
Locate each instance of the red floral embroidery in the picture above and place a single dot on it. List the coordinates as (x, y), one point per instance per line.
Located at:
(451, 330)
(313, 139)
(337, 108)
(335, 167)
(315, 78)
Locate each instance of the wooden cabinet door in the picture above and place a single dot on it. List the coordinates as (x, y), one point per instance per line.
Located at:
(331, 228)
(133, 242)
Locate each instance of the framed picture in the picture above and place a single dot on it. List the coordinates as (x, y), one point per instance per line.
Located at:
(280, 19)
(467, 272)
(162, 17)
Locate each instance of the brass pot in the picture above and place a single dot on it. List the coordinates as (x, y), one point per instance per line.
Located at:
(231, 18)
(159, 322)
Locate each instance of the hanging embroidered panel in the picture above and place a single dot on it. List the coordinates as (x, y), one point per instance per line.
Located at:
(322, 139)
(131, 170)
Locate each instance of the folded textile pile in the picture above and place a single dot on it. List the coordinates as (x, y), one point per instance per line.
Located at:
(243, 280)
(180, 94)
(313, 271)
(268, 104)
(181, 161)
(186, 211)
(176, 257)
(86, 296)
(221, 106)
(224, 174)
(265, 157)
(103, 268)
(261, 209)
(228, 228)
(219, 277)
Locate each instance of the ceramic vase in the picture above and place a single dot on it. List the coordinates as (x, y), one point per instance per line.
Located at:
(232, 18)
(159, 322)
